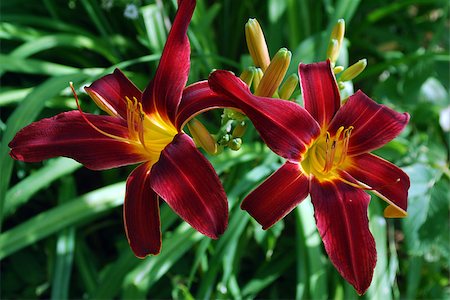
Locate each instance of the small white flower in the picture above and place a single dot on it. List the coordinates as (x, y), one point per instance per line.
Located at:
(131, 12)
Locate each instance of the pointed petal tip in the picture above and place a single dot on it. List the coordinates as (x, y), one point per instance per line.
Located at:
(144, 253)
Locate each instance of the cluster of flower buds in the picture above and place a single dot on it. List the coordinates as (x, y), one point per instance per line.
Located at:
(334, 48)
(265, 79)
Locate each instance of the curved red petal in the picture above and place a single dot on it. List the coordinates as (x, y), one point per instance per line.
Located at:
(141, 213)
(197, 98)
(68, 134)
(386, 178)
(278, 195)
(187, 182)
(341, 216)
(284, 126)
(374, 124)
(320, 91)
(163, 94)
(110, 92)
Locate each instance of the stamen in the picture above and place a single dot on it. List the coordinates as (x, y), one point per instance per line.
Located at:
(91, 124)
(365, 187)
(347, 134)
(327, 151)
(140, 125)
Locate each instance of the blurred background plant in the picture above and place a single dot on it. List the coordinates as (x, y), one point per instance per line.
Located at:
(61, 225)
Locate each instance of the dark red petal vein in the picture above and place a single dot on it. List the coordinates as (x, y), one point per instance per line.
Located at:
(197, 98)
(141, 213)
(68, 134)
(374, 124)
(278, 195)
(190, 186)
(319, 90)
(341, 216)
(386, 178)
(163, 94)
(284, 126)
(111, 90)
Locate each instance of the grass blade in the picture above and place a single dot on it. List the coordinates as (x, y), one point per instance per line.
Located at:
(73, 213)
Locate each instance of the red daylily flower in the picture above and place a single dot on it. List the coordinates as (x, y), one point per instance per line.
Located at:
(142, 128)
(327, 150)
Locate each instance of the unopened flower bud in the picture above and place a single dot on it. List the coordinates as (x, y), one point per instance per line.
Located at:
(274, 74)
(333, 51)
(224, 139)
(336, 39)
(338, 69)
(257, 78)
(256, 44)
(338, 31)
(235, 144)
(239, 130)
(354, 70)
(202, 137)
(247, 75)
(288, 87)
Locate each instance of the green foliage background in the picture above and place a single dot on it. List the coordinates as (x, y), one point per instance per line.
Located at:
(61, 225)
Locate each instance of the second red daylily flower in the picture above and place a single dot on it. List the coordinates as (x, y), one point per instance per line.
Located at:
(142, 128)
(327, 150)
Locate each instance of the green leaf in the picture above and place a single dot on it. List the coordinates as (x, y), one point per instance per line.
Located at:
(23, 115)
(65, 248)
(22, 192)
(76, 212)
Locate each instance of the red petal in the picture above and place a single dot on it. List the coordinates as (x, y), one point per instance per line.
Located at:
(68, 134)
(164, 92)
(188, 183)
(141, 214)
(109, 93)
(197, 98)
(284, 126)
(319, 90)
(341, 216)
(386, 178)
(278, 195)
(374, 124)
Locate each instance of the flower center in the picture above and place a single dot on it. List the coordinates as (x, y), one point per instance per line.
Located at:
(327, 154)
(151, 132)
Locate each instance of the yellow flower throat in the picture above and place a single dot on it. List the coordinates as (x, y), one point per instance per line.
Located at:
(150, 133)
(327, 154)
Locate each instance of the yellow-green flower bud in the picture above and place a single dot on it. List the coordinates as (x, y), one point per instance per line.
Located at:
(333, 51)
(239, 130)
(274, 74)
(235, 144)
(257, 78)
(338, 69)
(336, 39)
(202, 137)
(256, 44)
(338, 32)
(247, 75)
(288, 87)
(224, 139)
(354, 70)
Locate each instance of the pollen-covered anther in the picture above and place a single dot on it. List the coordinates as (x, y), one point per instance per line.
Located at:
(327, 154)
(135, 120)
